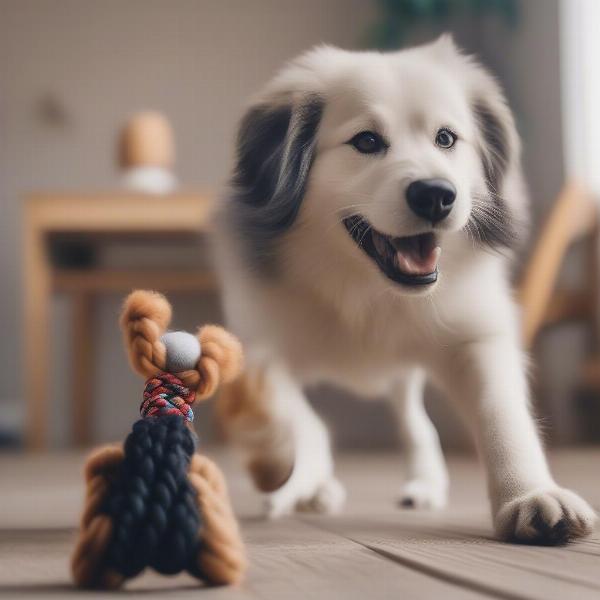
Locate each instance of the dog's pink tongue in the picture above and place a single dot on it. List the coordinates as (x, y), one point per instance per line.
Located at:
(419, 266)
(418, 255)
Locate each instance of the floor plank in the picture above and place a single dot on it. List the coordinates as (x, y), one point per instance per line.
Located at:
(478, 563)
(373, 550)
(457, 545)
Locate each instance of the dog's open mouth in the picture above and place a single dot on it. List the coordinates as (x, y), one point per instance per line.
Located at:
(411, 260)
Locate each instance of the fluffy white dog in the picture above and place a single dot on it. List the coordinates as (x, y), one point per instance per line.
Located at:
(364, 242)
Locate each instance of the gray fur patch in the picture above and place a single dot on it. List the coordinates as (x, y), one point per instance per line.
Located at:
(496, 156)
(276, 147)
(491, 222)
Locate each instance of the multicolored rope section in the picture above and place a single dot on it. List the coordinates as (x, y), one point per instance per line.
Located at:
(164, 395)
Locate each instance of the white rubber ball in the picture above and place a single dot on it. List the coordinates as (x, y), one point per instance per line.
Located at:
(183, 350)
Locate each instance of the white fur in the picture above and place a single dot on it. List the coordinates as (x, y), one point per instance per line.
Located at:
(330, 315)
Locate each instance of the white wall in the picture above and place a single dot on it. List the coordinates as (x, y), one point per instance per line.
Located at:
(580, 49)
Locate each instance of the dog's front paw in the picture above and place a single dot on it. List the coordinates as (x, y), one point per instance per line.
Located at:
(547, 517)
(423, 494)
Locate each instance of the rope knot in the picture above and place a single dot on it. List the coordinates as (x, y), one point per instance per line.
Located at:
(165, 394)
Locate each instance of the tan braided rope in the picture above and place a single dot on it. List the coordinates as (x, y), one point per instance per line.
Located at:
(146, 316)
(96, 528)
(222, 557)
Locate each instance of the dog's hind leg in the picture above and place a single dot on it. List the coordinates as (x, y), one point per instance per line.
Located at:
(285, 444)
(426, 484)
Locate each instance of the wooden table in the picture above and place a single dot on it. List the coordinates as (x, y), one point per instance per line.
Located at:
(90, 216)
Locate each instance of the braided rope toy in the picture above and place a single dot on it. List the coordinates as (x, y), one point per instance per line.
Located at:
(155, 502)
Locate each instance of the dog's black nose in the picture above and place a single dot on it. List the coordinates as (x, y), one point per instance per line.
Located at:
(431, 199)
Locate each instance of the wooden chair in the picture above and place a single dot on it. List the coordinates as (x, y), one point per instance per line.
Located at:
(573, 218)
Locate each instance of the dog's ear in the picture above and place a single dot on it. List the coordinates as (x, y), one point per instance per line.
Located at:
(500, 221)
(275, 150)
(498, 139)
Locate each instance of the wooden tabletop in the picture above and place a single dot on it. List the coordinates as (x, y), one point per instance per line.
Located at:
(119, 212)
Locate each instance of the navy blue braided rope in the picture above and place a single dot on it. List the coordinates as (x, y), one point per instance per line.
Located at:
(152, 504)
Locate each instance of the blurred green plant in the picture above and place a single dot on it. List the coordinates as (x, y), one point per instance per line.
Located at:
(398, 17)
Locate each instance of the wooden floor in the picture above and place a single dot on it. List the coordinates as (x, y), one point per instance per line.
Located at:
(372, 551)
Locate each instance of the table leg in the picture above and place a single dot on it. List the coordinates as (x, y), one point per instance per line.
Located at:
(81, 377)
(36, 354)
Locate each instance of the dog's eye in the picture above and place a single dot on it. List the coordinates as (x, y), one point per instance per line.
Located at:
(368, 142)
(445, 138)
